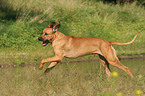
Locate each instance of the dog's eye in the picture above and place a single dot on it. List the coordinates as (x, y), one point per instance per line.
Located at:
(46, 33)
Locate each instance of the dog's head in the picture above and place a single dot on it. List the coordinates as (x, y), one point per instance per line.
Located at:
(48, 34)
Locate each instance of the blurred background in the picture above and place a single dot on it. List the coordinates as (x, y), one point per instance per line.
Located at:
(22, 22)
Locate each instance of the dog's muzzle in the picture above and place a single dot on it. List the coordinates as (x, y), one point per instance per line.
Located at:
(44, 42)
(40, 39)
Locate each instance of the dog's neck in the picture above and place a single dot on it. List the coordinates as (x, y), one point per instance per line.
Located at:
(58, 36)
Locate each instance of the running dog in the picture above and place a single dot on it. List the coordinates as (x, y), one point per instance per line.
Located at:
(70, 46)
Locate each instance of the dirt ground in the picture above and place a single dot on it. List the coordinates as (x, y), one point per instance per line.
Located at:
(141, 56)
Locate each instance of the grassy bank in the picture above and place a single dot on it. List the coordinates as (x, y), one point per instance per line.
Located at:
(22, 22)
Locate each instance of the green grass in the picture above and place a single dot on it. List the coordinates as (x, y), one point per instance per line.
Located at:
(72, 79)
(22, 22)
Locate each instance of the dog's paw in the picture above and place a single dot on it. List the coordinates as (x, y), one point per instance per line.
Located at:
(47, 70)
(40, 67)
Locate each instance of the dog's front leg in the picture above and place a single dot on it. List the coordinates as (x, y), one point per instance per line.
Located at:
(52, 65)
(53, 59)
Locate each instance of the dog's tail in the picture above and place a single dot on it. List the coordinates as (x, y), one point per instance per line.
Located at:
(118, 43)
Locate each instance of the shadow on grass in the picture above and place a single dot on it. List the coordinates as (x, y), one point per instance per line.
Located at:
(7, 12)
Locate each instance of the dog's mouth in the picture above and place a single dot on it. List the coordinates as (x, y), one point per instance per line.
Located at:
(45, 42)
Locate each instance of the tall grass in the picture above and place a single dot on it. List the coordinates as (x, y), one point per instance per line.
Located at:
(77, 79)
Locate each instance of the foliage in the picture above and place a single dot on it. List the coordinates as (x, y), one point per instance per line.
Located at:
(22, 22)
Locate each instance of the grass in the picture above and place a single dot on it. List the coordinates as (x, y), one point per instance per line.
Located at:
(77, 79)
(22, 22)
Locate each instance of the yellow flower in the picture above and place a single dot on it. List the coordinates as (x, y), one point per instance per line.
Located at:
(115, 74)
(138, 92)
(15, 57)
(119, 94)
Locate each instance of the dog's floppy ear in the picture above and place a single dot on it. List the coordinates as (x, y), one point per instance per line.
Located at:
(55, 28)
(51, 24)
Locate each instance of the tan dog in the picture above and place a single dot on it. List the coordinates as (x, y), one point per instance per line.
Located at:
(67, 46)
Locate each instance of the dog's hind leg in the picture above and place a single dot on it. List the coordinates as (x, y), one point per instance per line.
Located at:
(113, 60)
(117, 64)
(50, 67)
(105, 65)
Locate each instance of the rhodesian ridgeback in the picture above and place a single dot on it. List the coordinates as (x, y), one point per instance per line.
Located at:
(70, 46)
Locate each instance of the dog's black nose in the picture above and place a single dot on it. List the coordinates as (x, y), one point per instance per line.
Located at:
(40, 38)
